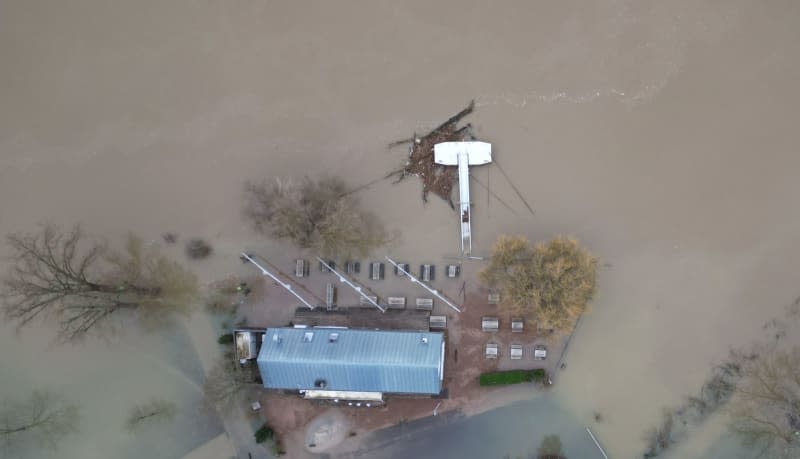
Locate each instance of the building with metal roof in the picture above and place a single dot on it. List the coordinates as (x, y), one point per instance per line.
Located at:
(337, 362)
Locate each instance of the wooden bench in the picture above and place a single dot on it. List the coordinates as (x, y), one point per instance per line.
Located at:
(438, 322)
(396, 302)
(330, 296)
(427, 273)
(403, 266)
(491, 351)
(363, 301)
(516, 351)
(453, 270)
(300, 268)
(352, 267)
(539, 352)
(324, 269)
(425, 303)
(376, 271)
(490, 324)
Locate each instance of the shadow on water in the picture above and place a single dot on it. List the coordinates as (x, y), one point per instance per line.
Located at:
(106, 381)
(514, 430)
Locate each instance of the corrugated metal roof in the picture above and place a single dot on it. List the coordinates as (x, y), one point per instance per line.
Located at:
(356, 360)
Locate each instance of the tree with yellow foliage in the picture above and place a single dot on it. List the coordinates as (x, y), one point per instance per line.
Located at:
(552, 281)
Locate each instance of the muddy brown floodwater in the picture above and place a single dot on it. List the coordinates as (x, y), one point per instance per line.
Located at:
(662, 134)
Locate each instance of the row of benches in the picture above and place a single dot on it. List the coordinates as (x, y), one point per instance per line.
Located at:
(539, 351)
(399, 302)
(392, 302)
(492, 324)
(377, 270)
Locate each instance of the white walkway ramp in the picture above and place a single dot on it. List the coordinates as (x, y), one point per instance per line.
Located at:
(463, 154)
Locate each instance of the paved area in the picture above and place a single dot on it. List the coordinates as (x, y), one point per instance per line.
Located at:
(366, 317)
(327, 430)
(512, 431)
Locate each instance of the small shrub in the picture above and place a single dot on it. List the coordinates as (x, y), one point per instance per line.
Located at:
(226, 338)
(264, 433)
(170, 238)
(198, 249)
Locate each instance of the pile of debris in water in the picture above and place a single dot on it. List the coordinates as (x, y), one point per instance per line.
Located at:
(436, 178)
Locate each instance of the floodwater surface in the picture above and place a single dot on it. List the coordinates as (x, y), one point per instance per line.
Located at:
(662, 134)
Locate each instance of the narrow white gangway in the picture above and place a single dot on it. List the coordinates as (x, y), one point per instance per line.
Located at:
(283, 284)
(352, 285)
(463, 154)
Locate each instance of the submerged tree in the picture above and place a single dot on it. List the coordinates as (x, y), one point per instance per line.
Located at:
(550, 448)
(150, 412)
(40, 420)
(553, 280)
(766, 404)
(317, 214)
(228, 383)
(83, 284)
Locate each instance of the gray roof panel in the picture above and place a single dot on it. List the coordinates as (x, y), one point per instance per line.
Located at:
(359, 360)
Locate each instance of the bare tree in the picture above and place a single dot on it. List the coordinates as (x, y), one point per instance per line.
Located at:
(228, 383)
(83, 284)
(318, 214)
(150, 412)
(40, 420)
(766, 404)
(553, 281)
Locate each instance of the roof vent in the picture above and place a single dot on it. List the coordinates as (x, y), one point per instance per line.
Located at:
(276, 339)
(333, 337)
(424, 340)
(308, 336)
(320, 384)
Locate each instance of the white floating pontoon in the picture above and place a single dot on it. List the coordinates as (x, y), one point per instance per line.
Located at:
(463, 154)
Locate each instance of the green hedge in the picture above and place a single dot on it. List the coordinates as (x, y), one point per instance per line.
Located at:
(227, 338)
(499, 378)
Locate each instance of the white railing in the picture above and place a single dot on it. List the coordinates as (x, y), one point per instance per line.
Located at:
(355, 287)
(414, 280)
(283, 284)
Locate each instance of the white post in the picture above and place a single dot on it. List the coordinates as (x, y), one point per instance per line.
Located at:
(276, 279)
(414, 280)
(355, 287)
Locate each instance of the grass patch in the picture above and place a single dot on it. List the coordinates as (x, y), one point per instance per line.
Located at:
(499, 378)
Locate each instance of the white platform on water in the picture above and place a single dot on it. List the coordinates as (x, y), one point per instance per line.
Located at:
(463, 154)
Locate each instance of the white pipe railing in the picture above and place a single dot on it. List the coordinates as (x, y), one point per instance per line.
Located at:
(355, 287)
(283, 284)
(414, 280)
(597, 443)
